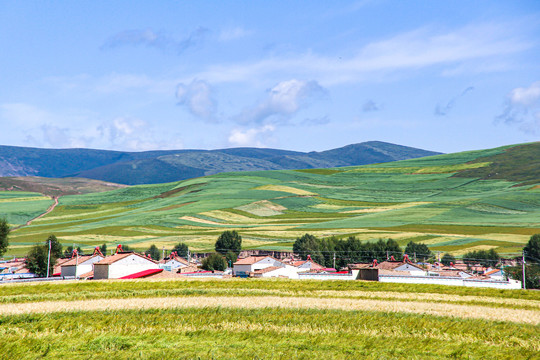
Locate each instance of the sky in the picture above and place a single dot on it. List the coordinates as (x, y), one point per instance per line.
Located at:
(311, 75)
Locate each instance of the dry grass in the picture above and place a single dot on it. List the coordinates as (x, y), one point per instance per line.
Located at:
(286, 189)
(254, 302)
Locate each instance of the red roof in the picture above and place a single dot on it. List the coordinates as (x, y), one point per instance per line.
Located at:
(250, 260)
(143, 273)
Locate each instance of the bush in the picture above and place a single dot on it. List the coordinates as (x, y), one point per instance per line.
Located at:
(154, 252)
(229, 241)
(4, 232)
(182, 250)
(214, 261)
(447, 259)
(37, 258)
(532, 275)
(418, 250)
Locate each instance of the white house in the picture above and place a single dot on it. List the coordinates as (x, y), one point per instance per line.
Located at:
(243, 267)
(79, 265)
(173, 263)
(307, 265)
(122, 264)
(287, 271)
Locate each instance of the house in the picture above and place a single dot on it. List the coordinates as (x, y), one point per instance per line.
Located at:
(307, 265)
(79, 265)
(122, 264)
(286, 271)
(173, 263)
(242, 267)
(495, 274)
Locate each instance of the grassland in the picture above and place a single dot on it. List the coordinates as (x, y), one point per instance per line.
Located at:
(427, 199)
(266, 319)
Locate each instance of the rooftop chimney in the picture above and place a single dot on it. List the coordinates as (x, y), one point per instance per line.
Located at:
(374, 262)
(392, 258)
(406, 258)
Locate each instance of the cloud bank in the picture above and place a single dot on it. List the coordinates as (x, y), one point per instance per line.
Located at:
(282, 101)
(157, 40)
(198, 98)
(522, 109)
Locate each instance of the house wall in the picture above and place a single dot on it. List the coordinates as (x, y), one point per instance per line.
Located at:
(68, 270)
(443, 280)
(353, 275)
(241, 270)
(288, 271)
(130, 265)
(82, 268)
(101, 271)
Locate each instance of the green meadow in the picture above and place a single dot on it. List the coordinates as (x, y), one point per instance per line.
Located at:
(454, 203)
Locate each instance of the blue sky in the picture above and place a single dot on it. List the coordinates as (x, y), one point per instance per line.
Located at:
(301, 75)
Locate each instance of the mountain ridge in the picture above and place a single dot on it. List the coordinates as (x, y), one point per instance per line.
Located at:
(158, 166)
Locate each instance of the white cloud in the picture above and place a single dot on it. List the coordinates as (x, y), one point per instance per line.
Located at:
(284, 99)
(523, 109)
(23, 114)
(251, 137)
(150, 38)
(526, 96)
(198, 98)
(415, 49)
(233, 34)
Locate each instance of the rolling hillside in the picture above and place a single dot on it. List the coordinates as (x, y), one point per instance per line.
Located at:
(446, 201)
(152, 167)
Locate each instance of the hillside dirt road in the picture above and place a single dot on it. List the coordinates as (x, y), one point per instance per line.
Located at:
(51, 208)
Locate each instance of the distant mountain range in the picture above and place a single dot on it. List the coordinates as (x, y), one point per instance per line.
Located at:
(151, 167)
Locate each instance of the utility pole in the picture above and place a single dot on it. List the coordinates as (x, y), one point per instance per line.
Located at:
(523, 265)
(387, 257)
(49, 258)
(163, 257)
(334, 260)
(414, 257)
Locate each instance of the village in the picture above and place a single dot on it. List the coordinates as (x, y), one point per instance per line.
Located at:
(256, 264)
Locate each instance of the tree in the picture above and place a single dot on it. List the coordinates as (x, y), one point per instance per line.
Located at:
(229, 241)
(36, 260)
(532, 275)
(482, 257)
(38, 257)
(214, 261)
(532, 249)
(69, 251)
(56, 247)
(421, 251)
(103, 249)
(393, 249)
(4, 232)
(448, 258)
(230, 257)
(308, 244)
(182, 250)
(154, 252)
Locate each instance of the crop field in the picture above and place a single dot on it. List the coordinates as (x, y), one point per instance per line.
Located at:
(266, 319)
(424, 199)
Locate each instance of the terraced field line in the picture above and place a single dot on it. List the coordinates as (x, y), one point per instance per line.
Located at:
(254, 302)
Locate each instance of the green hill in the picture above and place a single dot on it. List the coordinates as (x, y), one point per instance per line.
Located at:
(445, 201)
(153, 167)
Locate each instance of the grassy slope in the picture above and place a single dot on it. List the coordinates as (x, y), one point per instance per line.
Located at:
(224, 332)
(418, 199)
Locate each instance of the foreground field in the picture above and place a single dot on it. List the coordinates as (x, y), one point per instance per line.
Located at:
(267, 319)
(455, 203)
